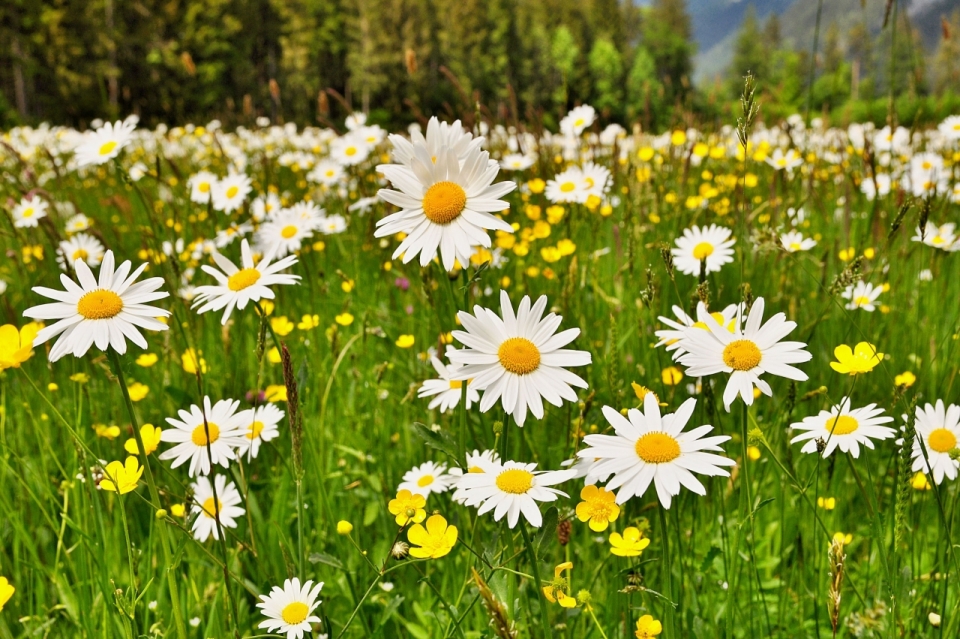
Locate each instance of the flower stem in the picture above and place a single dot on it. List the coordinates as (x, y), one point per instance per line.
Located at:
(667, 574)
(178, 618)
(535, 564)
(597, 623)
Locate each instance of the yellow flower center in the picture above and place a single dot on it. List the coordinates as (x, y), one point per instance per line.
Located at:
(578, 122)
(601, 510)
(718, 318)
(204, 187)
(28, 212)
(444, 202)
(211, 508)
(942, 440)
(567, 187)
(702, 251)
(424, 481)
(657, 448)
(350, 151)
(99, 304)
(288, 231)
(254, 431)
(863, 300)
(330, 173)
(199, 436)
(795, 246)
(456, 383)
(80, 254)
(232, 192)
(519, 355)
(515, 481)
(242, 279)
(842, 425)
(107, 147)
(475, 469)
(294, 613)
(741, 355)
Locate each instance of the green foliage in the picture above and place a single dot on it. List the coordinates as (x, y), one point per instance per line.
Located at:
(606, 66)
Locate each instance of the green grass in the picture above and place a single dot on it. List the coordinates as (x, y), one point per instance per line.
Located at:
(747, 560)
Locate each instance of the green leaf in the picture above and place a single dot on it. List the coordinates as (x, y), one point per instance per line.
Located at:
(437, 440)
(323, 558)
(548, 529)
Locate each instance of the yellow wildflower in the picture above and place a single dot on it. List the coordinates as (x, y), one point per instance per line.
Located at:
(408, 507)
(147, 360)
(281, 325)
(151, 440)
(122, 478)
(344, 319)
(556, 592)
(190, 361)
(860, 359)
(275, 393)
(905, 379)
(599, 507)
(344, 527)
(671, 375)
(648, 627)
(107, 432)
(405, 341)
(434, 541)
(16, 346)
(137, 391)
(6, 591)
(630, 544)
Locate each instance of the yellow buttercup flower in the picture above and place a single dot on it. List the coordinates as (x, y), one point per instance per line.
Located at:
(557, 591)
(344, 319)
(630, 544)
(107, 432)
(344, 527)
(433, 541)
(863, 358)
(281, 325)
(308, 322)
(648, 627)
(408, 507)
(405, 341)
(122, 478)
(151, 440)
(920, 481)
(178, 510)
(137, 391)
(599, 507)
(16, 346)
(536, 185)
(641, 392)
(147, 360)
(275, 393)
(6, 591)
(671, 375)
(80, 378)
(827, 503)
(190, 360)
(905, 379)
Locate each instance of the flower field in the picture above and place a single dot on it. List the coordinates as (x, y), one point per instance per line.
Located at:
(480, 381)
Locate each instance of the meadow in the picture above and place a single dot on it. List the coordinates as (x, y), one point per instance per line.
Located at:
(480, 382)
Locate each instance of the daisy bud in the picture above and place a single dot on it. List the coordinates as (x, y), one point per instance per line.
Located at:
(400, 550)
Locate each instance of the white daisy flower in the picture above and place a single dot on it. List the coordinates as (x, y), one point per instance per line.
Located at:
(333, 224)
(862, 296)
(844, 428)
(781, 161)
(229, 193)
(104, 312)
(517, 162)
(327, 173)
(265, 206)
(596, 179)
(426, 479)
(105, 143)
(237, 287)
(510, 489)
(793, 241)
(446, 207)
(939, 426)
(262, 428)
(28, 212)
(746, 353)
(566, 187)
(578, 119)
(208, 508)
(349, 150)
(950, 127)
(77, 223)
(226, 236)
(474, 460)
(518, 359)
(648, 448)
(290, 609)
(943, 237)
(928, 175)
(446, 391)
(202, 185)
(285, 232)
(672, 337)
(80, 247)
(711, 243)
(221, 421)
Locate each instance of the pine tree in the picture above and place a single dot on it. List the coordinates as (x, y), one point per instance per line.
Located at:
(667, 36)
(606, 67)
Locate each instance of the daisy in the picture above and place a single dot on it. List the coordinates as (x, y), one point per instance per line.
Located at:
(519, 358)
(784, 161)
(446, 206)
(104, 312)
(862, 296)
(712, 244)
(596, 179)
(208, 508)
(105, 143)
(265, 206)
(290, 609)
(349, 150)
(446, 391)
(578, 119)
(928, 175)
(650, 448)
(77, 223)
(939, 427)
(201, 186)
(793, 241)
(238, 287)
(672, 337)
(218, 427)
(942, 237)
(28, 212)
(426, 479)
(333, 225)
(844, 428)
(80, 247)
(229, 193)
(517, 162)
(327, 173)
(474, 461)
(510, 489)
(746, 353)
(262, 428)
(567, 186)
(950, 127)
(285, 232)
